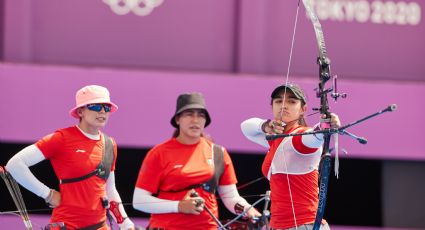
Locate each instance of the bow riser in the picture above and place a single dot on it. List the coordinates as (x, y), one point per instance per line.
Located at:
(324, 75)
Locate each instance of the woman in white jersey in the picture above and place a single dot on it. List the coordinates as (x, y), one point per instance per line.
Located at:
(291, 163)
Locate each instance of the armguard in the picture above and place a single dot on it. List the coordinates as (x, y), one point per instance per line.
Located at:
(115, 211)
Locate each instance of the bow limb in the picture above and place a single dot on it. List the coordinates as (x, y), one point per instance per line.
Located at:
(319, 33)
(324, 75)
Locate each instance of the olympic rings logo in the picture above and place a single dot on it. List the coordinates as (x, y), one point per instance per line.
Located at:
(138, 7)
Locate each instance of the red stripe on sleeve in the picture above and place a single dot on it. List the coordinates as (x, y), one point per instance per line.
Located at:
(300, 147)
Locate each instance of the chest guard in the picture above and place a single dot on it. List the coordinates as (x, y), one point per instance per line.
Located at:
(218, 155)
(103, 169)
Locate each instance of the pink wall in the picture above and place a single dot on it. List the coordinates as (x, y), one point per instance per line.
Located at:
(222, 36)
(218, 39)
(358, 50)
(89, 33)
(36, 99)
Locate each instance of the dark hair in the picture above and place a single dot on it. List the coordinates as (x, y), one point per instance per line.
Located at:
(301, 120)
(176, 132)
(187, 101)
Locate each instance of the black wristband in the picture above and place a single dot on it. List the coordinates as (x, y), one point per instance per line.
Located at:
(239, 208)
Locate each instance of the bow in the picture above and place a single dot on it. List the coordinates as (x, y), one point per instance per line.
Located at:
(324, 75)
(321, 92)
(16, 194)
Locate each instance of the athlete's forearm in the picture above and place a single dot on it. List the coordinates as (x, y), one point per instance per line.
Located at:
(116, 208)
(18, 167)
(251, 129)
(230, 197)
(145, 202)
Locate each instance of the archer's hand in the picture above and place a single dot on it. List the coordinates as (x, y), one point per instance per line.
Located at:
(253, 213)
(335, 122)
(273, 127)
(127, 224)
(54, 198)
(191, 205)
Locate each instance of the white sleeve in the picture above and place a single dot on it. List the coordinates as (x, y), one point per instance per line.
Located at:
(313, 141)
(251, 128)
(18, 167)
(145, 202)
(230, 197)
(113, 195)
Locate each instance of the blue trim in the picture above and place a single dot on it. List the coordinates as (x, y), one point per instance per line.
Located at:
(323, 186)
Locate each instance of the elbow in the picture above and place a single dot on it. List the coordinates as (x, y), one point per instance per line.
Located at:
(244, 128)
(13, 163)
(135, 206)
(133, 202)
(248, 128)
(136, 203)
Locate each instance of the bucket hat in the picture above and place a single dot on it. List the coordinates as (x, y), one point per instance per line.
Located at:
(91, 94)
(187, 101)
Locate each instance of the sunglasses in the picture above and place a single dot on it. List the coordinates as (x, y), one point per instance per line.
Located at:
(98, 107)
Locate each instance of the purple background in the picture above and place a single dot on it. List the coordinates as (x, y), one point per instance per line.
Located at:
(226, 36)
(36, 101)
(233, 51)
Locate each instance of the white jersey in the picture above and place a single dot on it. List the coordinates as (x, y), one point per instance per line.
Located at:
(287, 159)
(292, 155)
